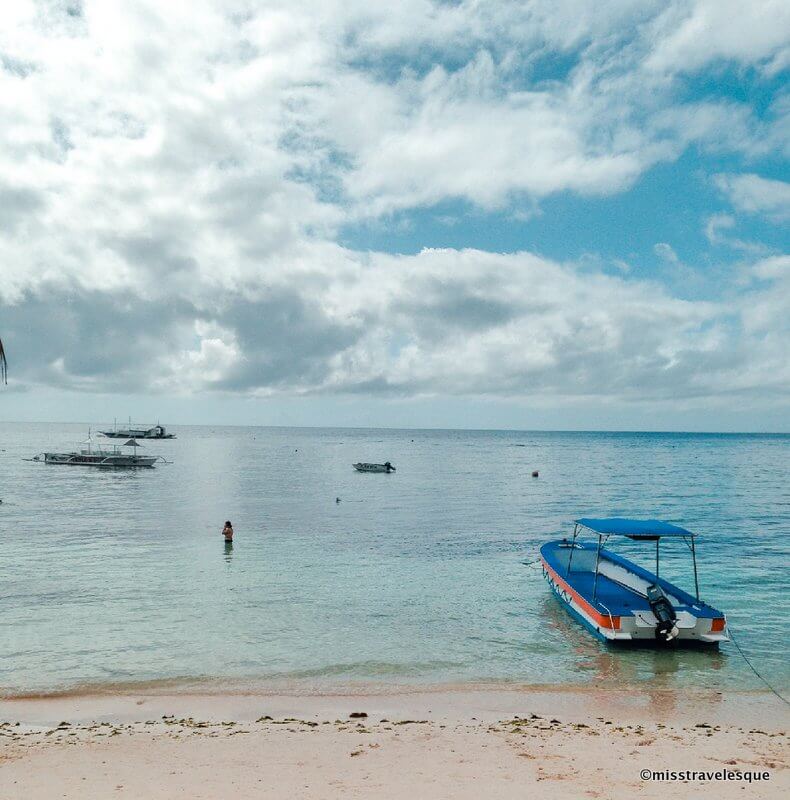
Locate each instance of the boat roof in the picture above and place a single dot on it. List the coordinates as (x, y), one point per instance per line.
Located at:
(633, 528)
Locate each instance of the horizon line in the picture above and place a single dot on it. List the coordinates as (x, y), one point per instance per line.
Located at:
(428, 428)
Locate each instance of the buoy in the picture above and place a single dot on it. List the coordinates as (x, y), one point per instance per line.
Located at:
(535, 473)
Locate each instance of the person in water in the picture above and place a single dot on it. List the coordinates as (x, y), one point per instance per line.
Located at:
(227, 531)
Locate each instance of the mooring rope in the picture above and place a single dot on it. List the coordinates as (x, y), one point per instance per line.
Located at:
(751, 667)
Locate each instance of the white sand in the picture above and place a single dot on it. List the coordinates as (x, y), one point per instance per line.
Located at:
(429, 744)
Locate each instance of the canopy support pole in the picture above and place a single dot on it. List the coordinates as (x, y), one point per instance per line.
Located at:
(573, 547)
(657, 542)
(694, 560)
(597, 561)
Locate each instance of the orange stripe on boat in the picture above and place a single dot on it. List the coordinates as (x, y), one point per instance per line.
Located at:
(717, 624)
(602, 620)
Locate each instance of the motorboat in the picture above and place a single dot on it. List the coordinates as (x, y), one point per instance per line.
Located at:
(619, 601)
(91, 456)
(363, 467)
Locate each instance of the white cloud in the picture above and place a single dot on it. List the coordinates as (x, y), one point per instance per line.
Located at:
(451, 135)
(173, 177)
(666, 253)
(772, 268)
(756, 195)
(440, 322)
(379, 107)
(690, 35)
(482, 131)
(211, 358)
(716, 232)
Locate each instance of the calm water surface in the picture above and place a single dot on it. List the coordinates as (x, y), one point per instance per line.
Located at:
(416, 577)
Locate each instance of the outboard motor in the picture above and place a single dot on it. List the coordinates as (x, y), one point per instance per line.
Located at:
(666, 628)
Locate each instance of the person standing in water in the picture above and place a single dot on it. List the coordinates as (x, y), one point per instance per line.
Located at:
(227, 531)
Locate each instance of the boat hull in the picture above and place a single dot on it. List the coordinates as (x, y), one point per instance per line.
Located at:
(373, 468)
(136, 434)
(108, 461)
(616, 611)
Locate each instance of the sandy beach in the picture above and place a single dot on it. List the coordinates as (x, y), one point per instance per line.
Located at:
(447, 743)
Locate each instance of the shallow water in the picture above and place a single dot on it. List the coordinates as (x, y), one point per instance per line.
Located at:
(415, 577)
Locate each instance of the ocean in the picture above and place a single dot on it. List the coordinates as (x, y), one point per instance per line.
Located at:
(122, 578)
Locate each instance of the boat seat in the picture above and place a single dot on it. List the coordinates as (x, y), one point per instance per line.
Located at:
(618, 598)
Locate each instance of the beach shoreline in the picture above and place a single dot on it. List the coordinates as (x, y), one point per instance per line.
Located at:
(438, 742)
(452, 700)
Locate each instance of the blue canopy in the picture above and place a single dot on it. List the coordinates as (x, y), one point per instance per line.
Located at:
(635, 528)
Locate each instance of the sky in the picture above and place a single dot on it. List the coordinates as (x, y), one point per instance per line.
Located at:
(535, 215)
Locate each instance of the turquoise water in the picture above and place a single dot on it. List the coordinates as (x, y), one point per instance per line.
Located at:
(415, 577)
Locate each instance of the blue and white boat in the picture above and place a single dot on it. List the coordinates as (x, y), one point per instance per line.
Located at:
(619, 601)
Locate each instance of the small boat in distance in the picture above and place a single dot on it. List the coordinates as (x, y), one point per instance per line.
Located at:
(619, 601)
(154, 432)
(363, 467)
(96, 457)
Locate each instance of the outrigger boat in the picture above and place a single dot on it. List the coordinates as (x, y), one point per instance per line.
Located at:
(619, 601)
(155, 432)
(385, 467)
(96, 457)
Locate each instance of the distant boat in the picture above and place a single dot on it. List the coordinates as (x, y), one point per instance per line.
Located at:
(154, 432)
(619, 601)
(96, 457)
(385, 467)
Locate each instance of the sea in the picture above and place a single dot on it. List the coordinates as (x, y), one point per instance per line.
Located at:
(339, 581)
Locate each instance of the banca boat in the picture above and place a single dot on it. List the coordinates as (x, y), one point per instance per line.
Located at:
(619, 601)
(363, 467)
(154, 432)
(97, 457)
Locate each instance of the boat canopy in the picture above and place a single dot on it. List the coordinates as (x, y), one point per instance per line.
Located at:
(634, 528)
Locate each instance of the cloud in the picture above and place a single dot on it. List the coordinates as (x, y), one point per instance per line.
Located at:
(437, 101)
(666, 253)
(93, 341)
(440, 322)
(301, 117)
(775, 267)
(452, 135)
(716, 227)
(755, 195)
(691, 35)
(16, 206)
(175, 177)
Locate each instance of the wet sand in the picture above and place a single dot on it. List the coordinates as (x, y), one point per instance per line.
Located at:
(443, 743)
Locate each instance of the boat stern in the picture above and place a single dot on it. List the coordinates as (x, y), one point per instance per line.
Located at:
(691, 629)
(717, 632)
